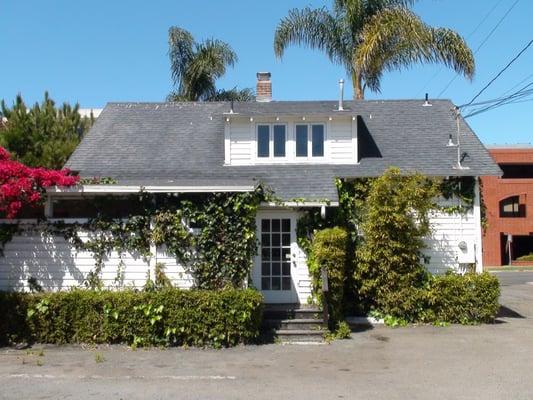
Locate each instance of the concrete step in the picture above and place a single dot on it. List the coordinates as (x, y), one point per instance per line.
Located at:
(294, 324)
(293, 313)
(299, 336)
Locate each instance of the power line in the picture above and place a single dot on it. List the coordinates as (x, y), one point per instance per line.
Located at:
(516, 97)
(499, 73)
(482, 43)
(502, 97)
(467, 37)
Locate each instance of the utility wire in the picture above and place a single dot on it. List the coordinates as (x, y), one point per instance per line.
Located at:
(502, 97)
(467, 37)
(499, 73)
(514, 98)
(482, 43)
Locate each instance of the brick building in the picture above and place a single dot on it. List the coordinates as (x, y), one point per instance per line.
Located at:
(509, 203)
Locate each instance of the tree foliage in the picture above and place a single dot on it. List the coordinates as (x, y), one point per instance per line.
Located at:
(43, 135)
(395, 221)
(370, 37)
(195, 67)
(22, 186)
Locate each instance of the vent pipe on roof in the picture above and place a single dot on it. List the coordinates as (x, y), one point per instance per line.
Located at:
(341, 95)
(427, 103)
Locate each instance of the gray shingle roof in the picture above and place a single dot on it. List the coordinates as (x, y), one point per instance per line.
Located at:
(184, 143)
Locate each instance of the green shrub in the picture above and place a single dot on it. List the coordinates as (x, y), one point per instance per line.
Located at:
(329, 249)
(394, 224)
(528, 257)
(465, 299)
(166, 317)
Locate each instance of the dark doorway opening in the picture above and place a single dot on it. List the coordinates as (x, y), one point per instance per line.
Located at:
(520, 245)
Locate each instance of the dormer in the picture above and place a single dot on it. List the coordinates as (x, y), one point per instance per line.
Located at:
(268, 132)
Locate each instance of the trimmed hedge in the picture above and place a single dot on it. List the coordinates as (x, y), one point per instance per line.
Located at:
(166, 317)
(464, 299)
(329, 249)
(527, 257)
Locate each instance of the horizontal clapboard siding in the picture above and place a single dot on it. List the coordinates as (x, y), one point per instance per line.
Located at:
(56, 265)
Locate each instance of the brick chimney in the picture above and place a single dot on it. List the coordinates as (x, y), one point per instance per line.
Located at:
(264, 87)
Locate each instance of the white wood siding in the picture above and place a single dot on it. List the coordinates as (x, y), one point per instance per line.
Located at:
(340, 144)
(241, 143)
(58, 266)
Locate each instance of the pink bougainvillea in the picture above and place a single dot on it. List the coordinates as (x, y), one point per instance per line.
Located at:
(22, 186)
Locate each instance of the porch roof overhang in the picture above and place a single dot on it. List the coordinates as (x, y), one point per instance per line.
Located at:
(131, 189)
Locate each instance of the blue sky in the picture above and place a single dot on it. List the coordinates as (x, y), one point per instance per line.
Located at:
(116, 50)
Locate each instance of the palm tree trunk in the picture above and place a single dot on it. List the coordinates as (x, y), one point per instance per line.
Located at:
(357, 82)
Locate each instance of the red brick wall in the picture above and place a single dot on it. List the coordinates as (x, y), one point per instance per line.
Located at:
(496, 189)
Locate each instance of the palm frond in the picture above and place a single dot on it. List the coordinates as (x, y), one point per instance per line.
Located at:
(396, 38)
(314, 28)
(181, 50)
(246, 94)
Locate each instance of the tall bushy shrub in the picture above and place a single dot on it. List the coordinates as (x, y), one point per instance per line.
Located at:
(166, 317)
(394, 223)
(329, 249)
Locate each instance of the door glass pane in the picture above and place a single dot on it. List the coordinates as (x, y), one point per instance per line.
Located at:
(275, 225)
(286, 269)
(265, 254)
(265, 269)
(276, 239)
(265, 225)
(276, 283)
(279, 140)
(263, 139)
(265, 283)
(276, 254)
(301, 140)
(285, 255)
(286, 225)
(286, 283)
(286, 240)
(265, 240)
(318, 141)
(276, 269)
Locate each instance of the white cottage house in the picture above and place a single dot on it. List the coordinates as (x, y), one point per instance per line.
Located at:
(297, 148)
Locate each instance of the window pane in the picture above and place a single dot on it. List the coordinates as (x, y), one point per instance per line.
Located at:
(286, 269)
(318, 141)
(286, 283)
(265, 283)
(265, 225)
(285, 225)
(265, 269)
(279, 140)
(275, 225)
(276, 254)
(263, 138)
(301, 140)
(276, 269)
(265, 254)
(286, 241)
(286, 254)
(276, 284)
(265, 240)
(276, 239)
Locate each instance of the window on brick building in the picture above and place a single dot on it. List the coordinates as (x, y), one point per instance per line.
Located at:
(511, 208)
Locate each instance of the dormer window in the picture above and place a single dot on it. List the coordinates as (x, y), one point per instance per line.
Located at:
(271, 140)
(310, 144)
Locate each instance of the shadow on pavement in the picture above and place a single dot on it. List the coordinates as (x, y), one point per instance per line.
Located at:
(506, 312)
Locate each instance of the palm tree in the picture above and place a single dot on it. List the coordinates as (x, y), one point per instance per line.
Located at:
(369, 37)
(196, 67)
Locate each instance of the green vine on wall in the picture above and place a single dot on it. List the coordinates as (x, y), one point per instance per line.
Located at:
(218, 252)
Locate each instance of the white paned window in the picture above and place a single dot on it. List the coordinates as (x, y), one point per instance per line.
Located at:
(271, 141)
(310, 140)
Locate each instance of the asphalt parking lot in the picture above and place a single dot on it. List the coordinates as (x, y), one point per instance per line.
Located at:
(417, 362)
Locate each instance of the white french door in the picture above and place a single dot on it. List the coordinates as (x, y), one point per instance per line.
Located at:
(274, 267)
